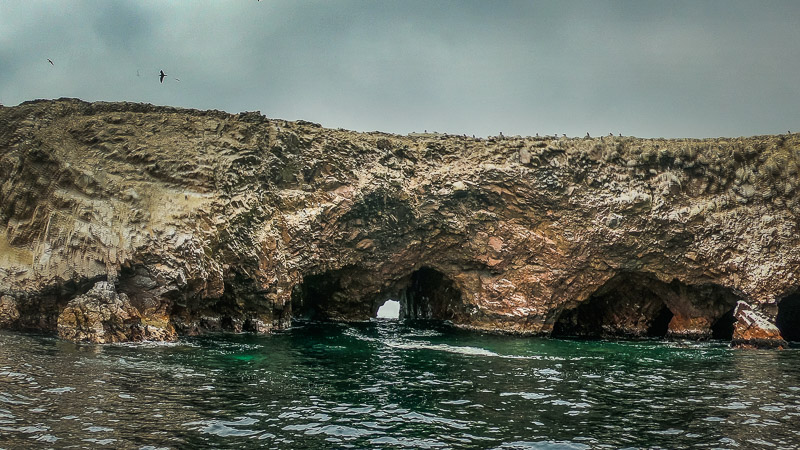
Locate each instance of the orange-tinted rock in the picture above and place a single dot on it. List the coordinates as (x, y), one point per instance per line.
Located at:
(754, 330)
(689, 327)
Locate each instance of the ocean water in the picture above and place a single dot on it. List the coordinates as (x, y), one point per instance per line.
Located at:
(386, 384)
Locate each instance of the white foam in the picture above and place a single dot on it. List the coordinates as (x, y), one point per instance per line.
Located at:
(473, 351)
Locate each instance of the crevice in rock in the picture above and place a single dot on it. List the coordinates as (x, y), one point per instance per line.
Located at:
(788, 319)
(660, 324)
(136, 282)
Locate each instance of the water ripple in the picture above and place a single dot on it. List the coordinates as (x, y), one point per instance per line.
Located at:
(391, 385)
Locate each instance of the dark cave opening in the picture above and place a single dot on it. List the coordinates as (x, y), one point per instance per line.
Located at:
(636, 304)
(660, 324)
(624, 307)
(350, 294)
(788, 319)
(312, 297)
(722, 328)
(430, 294)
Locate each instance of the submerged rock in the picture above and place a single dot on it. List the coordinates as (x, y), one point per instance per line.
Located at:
(200, 221)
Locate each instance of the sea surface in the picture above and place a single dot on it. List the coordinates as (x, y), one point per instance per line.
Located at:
(386, 384)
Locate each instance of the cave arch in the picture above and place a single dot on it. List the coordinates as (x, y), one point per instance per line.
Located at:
(429, 294)
(332, 295)
(623, 307)
(788, 318)
(353, 294)
(635, 305)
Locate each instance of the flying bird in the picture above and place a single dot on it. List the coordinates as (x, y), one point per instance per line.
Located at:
(161, 77)
(50, 61)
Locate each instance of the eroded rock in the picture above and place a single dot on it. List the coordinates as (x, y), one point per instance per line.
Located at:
(103, 316)
(207, 221)
(9, 314)
(754, 330)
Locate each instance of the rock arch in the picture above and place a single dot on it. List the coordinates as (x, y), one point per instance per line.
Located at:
(625, 306)
(429, 294)
(637, 304)
(352, 294)
(332, 295)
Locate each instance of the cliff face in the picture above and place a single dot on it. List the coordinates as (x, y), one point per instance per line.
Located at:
(127, 221)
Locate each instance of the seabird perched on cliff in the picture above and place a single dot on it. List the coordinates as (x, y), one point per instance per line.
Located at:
(50, 61)
(161, 77)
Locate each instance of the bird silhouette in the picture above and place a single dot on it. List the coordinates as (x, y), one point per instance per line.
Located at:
(50, 61)
(161, 77)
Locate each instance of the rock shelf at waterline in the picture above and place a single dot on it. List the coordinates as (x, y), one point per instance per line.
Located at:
(124, 221)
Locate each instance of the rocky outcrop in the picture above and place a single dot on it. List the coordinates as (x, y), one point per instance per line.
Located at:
(101, 315)
(754, 330)
(9, 313)
(127, 221)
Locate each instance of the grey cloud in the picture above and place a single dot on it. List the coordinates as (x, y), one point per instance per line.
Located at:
(680, 68)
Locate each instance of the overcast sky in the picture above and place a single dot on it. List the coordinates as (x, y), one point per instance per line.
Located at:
(646, 68)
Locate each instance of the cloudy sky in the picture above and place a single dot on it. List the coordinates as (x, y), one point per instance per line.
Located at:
(646, 68)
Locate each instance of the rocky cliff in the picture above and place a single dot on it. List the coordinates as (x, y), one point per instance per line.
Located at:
(124, 221)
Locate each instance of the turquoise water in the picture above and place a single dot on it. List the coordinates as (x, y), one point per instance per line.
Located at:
(388, 385)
